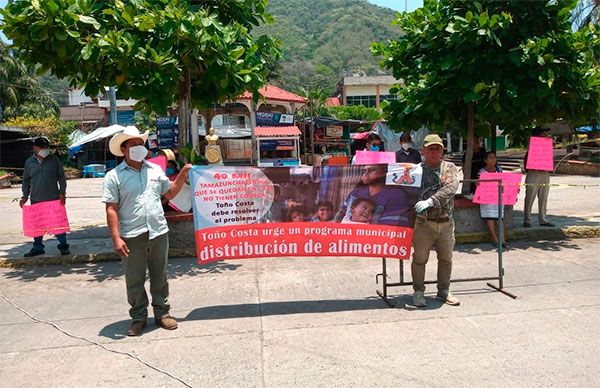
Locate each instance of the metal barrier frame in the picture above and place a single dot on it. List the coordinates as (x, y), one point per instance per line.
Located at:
(500, 278)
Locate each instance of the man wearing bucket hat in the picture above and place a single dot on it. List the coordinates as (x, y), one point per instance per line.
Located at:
(44, 180)
(137, 225)
(434, 225)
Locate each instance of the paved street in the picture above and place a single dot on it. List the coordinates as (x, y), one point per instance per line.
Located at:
(309, 322)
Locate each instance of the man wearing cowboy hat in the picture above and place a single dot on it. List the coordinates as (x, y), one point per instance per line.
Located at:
(138, 228)
(435, 223)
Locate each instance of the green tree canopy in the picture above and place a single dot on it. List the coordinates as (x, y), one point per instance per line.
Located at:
(156, 51)
(507, 62)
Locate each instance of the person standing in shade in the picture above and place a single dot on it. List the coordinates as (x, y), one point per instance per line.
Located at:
(407, 154)
(537, 185)
(44, 180)
(434, 225)
(374, 143)
(477, 163)
(138, 228)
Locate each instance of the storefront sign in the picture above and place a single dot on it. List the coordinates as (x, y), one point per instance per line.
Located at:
(250, 212)
(167, 132)
(335, 131)
(269, 119)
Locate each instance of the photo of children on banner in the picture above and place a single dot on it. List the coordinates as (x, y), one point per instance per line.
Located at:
(361, 211)
(297, 213)
(324, 212)
(391, 202)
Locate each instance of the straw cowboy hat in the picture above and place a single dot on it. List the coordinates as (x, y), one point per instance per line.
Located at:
(130, 132)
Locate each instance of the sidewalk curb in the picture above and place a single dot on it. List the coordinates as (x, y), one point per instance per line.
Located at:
(531, 234)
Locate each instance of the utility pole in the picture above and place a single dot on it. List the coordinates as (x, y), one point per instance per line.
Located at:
(112, 95)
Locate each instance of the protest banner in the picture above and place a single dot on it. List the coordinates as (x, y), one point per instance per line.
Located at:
(251, 212)
(540, 155)
(49, 217)
(182, 202)
(487, 192)
(374, 157)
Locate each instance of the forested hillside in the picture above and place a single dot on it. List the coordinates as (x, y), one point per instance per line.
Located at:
(322, 38)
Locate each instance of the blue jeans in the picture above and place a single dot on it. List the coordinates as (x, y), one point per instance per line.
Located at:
(62, 242)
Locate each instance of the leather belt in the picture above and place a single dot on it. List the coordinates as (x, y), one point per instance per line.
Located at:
(438, 219)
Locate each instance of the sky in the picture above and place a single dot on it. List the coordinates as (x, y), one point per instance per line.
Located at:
(398, 5)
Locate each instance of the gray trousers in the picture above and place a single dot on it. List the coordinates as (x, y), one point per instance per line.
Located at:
(536, 178)
(152, 254)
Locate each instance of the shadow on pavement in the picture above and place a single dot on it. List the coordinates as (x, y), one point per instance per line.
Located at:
(558, 220)
(252, 310)
(100, 272)
(519, 245)
(86, 240)
(118, 330)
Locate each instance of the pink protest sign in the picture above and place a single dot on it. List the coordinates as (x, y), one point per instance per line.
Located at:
(487, 192)
(373, 157)
(48, 217)
(540, 155)
(161, 160)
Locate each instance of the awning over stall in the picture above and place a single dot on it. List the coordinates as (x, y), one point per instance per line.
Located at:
(98, 134)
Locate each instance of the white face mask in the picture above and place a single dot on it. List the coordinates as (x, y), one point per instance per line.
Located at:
(138, 153)
(44, 152)
(405, 146)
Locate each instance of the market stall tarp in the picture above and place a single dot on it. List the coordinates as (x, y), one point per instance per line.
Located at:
(98, 134)
(250, 212)
(229, 132)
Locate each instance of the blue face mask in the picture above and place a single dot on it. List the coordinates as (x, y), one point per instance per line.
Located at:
(374, 148)
(169, 171)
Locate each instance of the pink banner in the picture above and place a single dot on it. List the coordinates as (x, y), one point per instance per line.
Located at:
(487, 192)
(49, 217)
(161, 160)
(373, 157)
(540, 155)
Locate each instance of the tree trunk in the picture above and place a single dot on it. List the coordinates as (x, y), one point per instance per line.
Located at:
(493, 127)
(469, 155)
(194, 130)
(185, 91)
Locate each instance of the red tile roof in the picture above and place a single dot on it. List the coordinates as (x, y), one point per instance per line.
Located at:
(272, 92)
(332, 101)
(277, 131)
